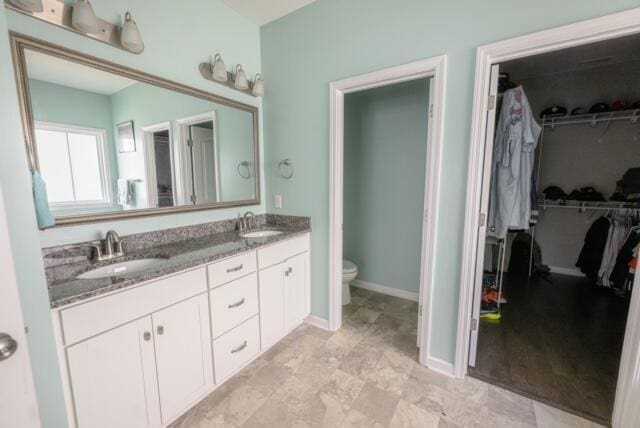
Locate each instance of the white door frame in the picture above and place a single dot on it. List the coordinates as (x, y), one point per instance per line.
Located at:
(594, 30)
(150, 161)
(18, 404)
(182, 151)
(429, 68)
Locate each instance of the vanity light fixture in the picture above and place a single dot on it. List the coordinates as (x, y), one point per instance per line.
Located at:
(28, 5)
(258, 86)
(218, 69)
(130, 37)
(83, 18)
(240, 79)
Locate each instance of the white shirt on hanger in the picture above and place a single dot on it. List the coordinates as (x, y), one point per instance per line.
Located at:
(513, 158)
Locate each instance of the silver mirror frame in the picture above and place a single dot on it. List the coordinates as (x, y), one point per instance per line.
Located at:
(20, 42)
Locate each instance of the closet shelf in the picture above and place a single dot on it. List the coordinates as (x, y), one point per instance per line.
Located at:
(585, 205)
(592, 118)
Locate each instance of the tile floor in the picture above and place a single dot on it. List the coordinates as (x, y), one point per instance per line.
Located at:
(364, 375)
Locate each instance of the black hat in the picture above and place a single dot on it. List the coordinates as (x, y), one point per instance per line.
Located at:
(600, 108)
(553, 111)
(578, 110)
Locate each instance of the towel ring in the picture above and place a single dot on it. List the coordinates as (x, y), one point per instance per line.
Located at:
(285, 163)
(246, 165)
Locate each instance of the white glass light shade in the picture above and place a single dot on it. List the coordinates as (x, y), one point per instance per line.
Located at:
(258, 86)
(130, 37)
(219, 70)
(28, 5)
(241, 79)
(83, 18)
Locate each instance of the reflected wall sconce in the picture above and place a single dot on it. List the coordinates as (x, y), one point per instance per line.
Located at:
(244, 170)
(79, 17)
(216, 71)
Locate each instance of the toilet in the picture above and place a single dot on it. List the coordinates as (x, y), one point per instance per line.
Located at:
(349, 273)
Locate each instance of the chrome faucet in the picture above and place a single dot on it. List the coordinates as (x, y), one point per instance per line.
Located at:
(110, 248)
(244, 222)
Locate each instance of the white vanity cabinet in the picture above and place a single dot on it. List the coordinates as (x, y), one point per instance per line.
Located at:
(141, 356)
(284, 288)
(113, 378)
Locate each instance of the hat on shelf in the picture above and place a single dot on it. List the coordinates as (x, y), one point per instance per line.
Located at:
(554, 193)
(553, 111)
(620, 105)
(578, 110)
(600, 108)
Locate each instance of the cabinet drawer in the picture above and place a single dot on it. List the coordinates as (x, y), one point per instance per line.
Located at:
(234, 349)
(281, 251)
(88, 319)
(231, 268)
(233, 303)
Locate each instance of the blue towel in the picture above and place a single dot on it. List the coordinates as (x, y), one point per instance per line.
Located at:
(43, 213)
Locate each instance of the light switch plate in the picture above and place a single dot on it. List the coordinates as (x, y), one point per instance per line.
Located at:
(277, 201)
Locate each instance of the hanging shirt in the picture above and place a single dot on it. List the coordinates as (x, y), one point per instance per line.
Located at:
(512, 167)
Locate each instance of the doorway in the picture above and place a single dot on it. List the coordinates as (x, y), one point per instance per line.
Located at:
(536, 317)
(434, 70)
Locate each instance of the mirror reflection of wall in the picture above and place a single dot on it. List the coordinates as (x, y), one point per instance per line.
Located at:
(186, 150)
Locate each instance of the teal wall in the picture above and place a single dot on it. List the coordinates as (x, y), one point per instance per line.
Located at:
(169, 53)
(385, 152)
(64, 105)
(334, 39)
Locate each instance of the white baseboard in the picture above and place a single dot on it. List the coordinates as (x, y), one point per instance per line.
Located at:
(440, 366)
(383, 289)
(566, 271)
(317, 322)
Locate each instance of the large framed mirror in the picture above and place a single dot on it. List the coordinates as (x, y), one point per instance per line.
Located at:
(111, 142)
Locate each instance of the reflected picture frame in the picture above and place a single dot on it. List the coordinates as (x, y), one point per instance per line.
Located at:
(126, 137)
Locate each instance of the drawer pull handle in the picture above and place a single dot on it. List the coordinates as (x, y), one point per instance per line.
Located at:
(235, 305)
(235, 269)
(239, 348)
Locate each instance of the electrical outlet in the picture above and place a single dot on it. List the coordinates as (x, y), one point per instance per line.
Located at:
(277, 201)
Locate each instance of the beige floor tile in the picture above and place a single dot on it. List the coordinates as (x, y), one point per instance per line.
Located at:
(295, 394)
(272, 413)
(270, 377)
(355, 419)
(239, 406)
(361, 361)
(376, 403)
(516, 407)
(550, 417)
(409, 416)
(323, 411)
(343, 387)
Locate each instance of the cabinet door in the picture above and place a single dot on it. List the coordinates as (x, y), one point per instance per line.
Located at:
(113, 378)
(295, 291)
(271, 286)
(183, 354)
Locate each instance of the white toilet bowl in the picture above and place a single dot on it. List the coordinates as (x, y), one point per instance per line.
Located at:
(349, 273)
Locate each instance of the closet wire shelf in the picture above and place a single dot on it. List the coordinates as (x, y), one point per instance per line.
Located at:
(586, 205)
(592, 118)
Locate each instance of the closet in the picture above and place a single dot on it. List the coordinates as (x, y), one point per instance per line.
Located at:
(563, 226)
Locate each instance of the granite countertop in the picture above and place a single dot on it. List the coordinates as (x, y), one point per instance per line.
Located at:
(65, 288)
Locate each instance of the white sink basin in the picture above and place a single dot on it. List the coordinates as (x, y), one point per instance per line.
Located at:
(260, 233)
(115, 269)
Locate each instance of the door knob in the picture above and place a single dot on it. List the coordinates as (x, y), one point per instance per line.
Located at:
(8, 346)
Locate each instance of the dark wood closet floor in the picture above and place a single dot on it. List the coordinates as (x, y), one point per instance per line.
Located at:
(558, 343)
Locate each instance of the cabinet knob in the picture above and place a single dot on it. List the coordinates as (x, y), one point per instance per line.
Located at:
(160, 329)
(147, 336)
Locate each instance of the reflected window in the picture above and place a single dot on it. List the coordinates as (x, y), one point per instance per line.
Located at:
(73, 164)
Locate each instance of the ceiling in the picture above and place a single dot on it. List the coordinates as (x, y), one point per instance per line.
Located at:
(601, 54)
(62, 72)
(264, 11)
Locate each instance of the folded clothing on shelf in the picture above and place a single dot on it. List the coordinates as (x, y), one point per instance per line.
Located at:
(629, 185)
(588, 194)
